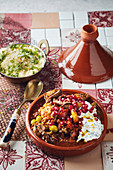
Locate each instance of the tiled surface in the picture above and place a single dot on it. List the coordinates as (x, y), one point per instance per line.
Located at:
(64, 31)
(13, 157)
(107, 151)
(45, 20)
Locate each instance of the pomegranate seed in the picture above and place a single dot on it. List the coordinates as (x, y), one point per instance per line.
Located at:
(75, 108)
(61, 109)
(85, 106)
(70, 119)
(96, 119)
(63, 99)
(83, 102)
(102, 122)
(75, 105)
(81, 118)
(83, 110)
(63, 118)
(57, 113)
(53, 108)
(79, 113)
(51, 123)
(51, 102)
(70, 107)
(65, 122)
(80, 122)
(56, 108)
(54, 113)
(95, 115)
(62, 123)
(90, 110)
(76, 125)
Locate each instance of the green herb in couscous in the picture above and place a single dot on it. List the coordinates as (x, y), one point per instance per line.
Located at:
(21, 60)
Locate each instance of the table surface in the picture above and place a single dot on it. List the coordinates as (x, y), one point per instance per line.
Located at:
(61, 30)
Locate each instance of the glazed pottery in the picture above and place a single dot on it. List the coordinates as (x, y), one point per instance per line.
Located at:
(87, 61)
(63, 150)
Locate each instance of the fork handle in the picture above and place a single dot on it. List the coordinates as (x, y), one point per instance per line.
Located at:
(4, 141)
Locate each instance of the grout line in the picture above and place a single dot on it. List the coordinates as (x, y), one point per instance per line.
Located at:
(112, 81)
(45, 33)
(60, 37)
(105, 36)
(88, 17)
(73, 20)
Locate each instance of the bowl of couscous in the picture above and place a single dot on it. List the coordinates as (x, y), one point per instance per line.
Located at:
(22, 62)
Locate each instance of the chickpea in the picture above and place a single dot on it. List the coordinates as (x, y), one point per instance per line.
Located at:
(33, 121)
(53, 128)
(38, 119)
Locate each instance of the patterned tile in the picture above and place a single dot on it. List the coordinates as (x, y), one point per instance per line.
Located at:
(37, 159)
(107, 153)
(105, 97)
(109, 134)
(101, 18)
(70, 37)
(15, 28)
(13, 157)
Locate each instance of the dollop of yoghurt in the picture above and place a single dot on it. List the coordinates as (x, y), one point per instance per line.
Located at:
(91, 126)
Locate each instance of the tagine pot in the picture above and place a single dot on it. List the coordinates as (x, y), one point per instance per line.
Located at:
(87, 61)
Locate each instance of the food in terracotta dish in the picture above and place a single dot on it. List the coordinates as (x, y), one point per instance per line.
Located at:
(21, 60)
(67, 119)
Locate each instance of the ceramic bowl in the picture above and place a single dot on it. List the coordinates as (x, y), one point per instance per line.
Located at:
(28, 78)
(60, 150)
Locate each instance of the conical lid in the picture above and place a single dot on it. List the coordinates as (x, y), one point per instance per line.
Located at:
(87, 61)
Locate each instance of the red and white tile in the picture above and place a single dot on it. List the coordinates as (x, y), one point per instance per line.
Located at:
(107, 155)
(37, 159)
(13, 157)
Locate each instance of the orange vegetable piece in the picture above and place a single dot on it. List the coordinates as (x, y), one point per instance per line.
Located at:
(74, 115)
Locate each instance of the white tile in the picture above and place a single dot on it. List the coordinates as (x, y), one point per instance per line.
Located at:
(79, 23)
(102, 40)
(109, 41)
(104, 85)
(101, 31)
(88, 86)
(37, 34)
(54, 41)
(110, 47)
(107, 155)
(53, 37)
(69, 84)
(52, 32)
(81, 15)
(65, 15)
(112, 82)
(66, 24)
(109, 31)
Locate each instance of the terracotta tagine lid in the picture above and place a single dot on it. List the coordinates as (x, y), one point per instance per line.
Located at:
(87, 61)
